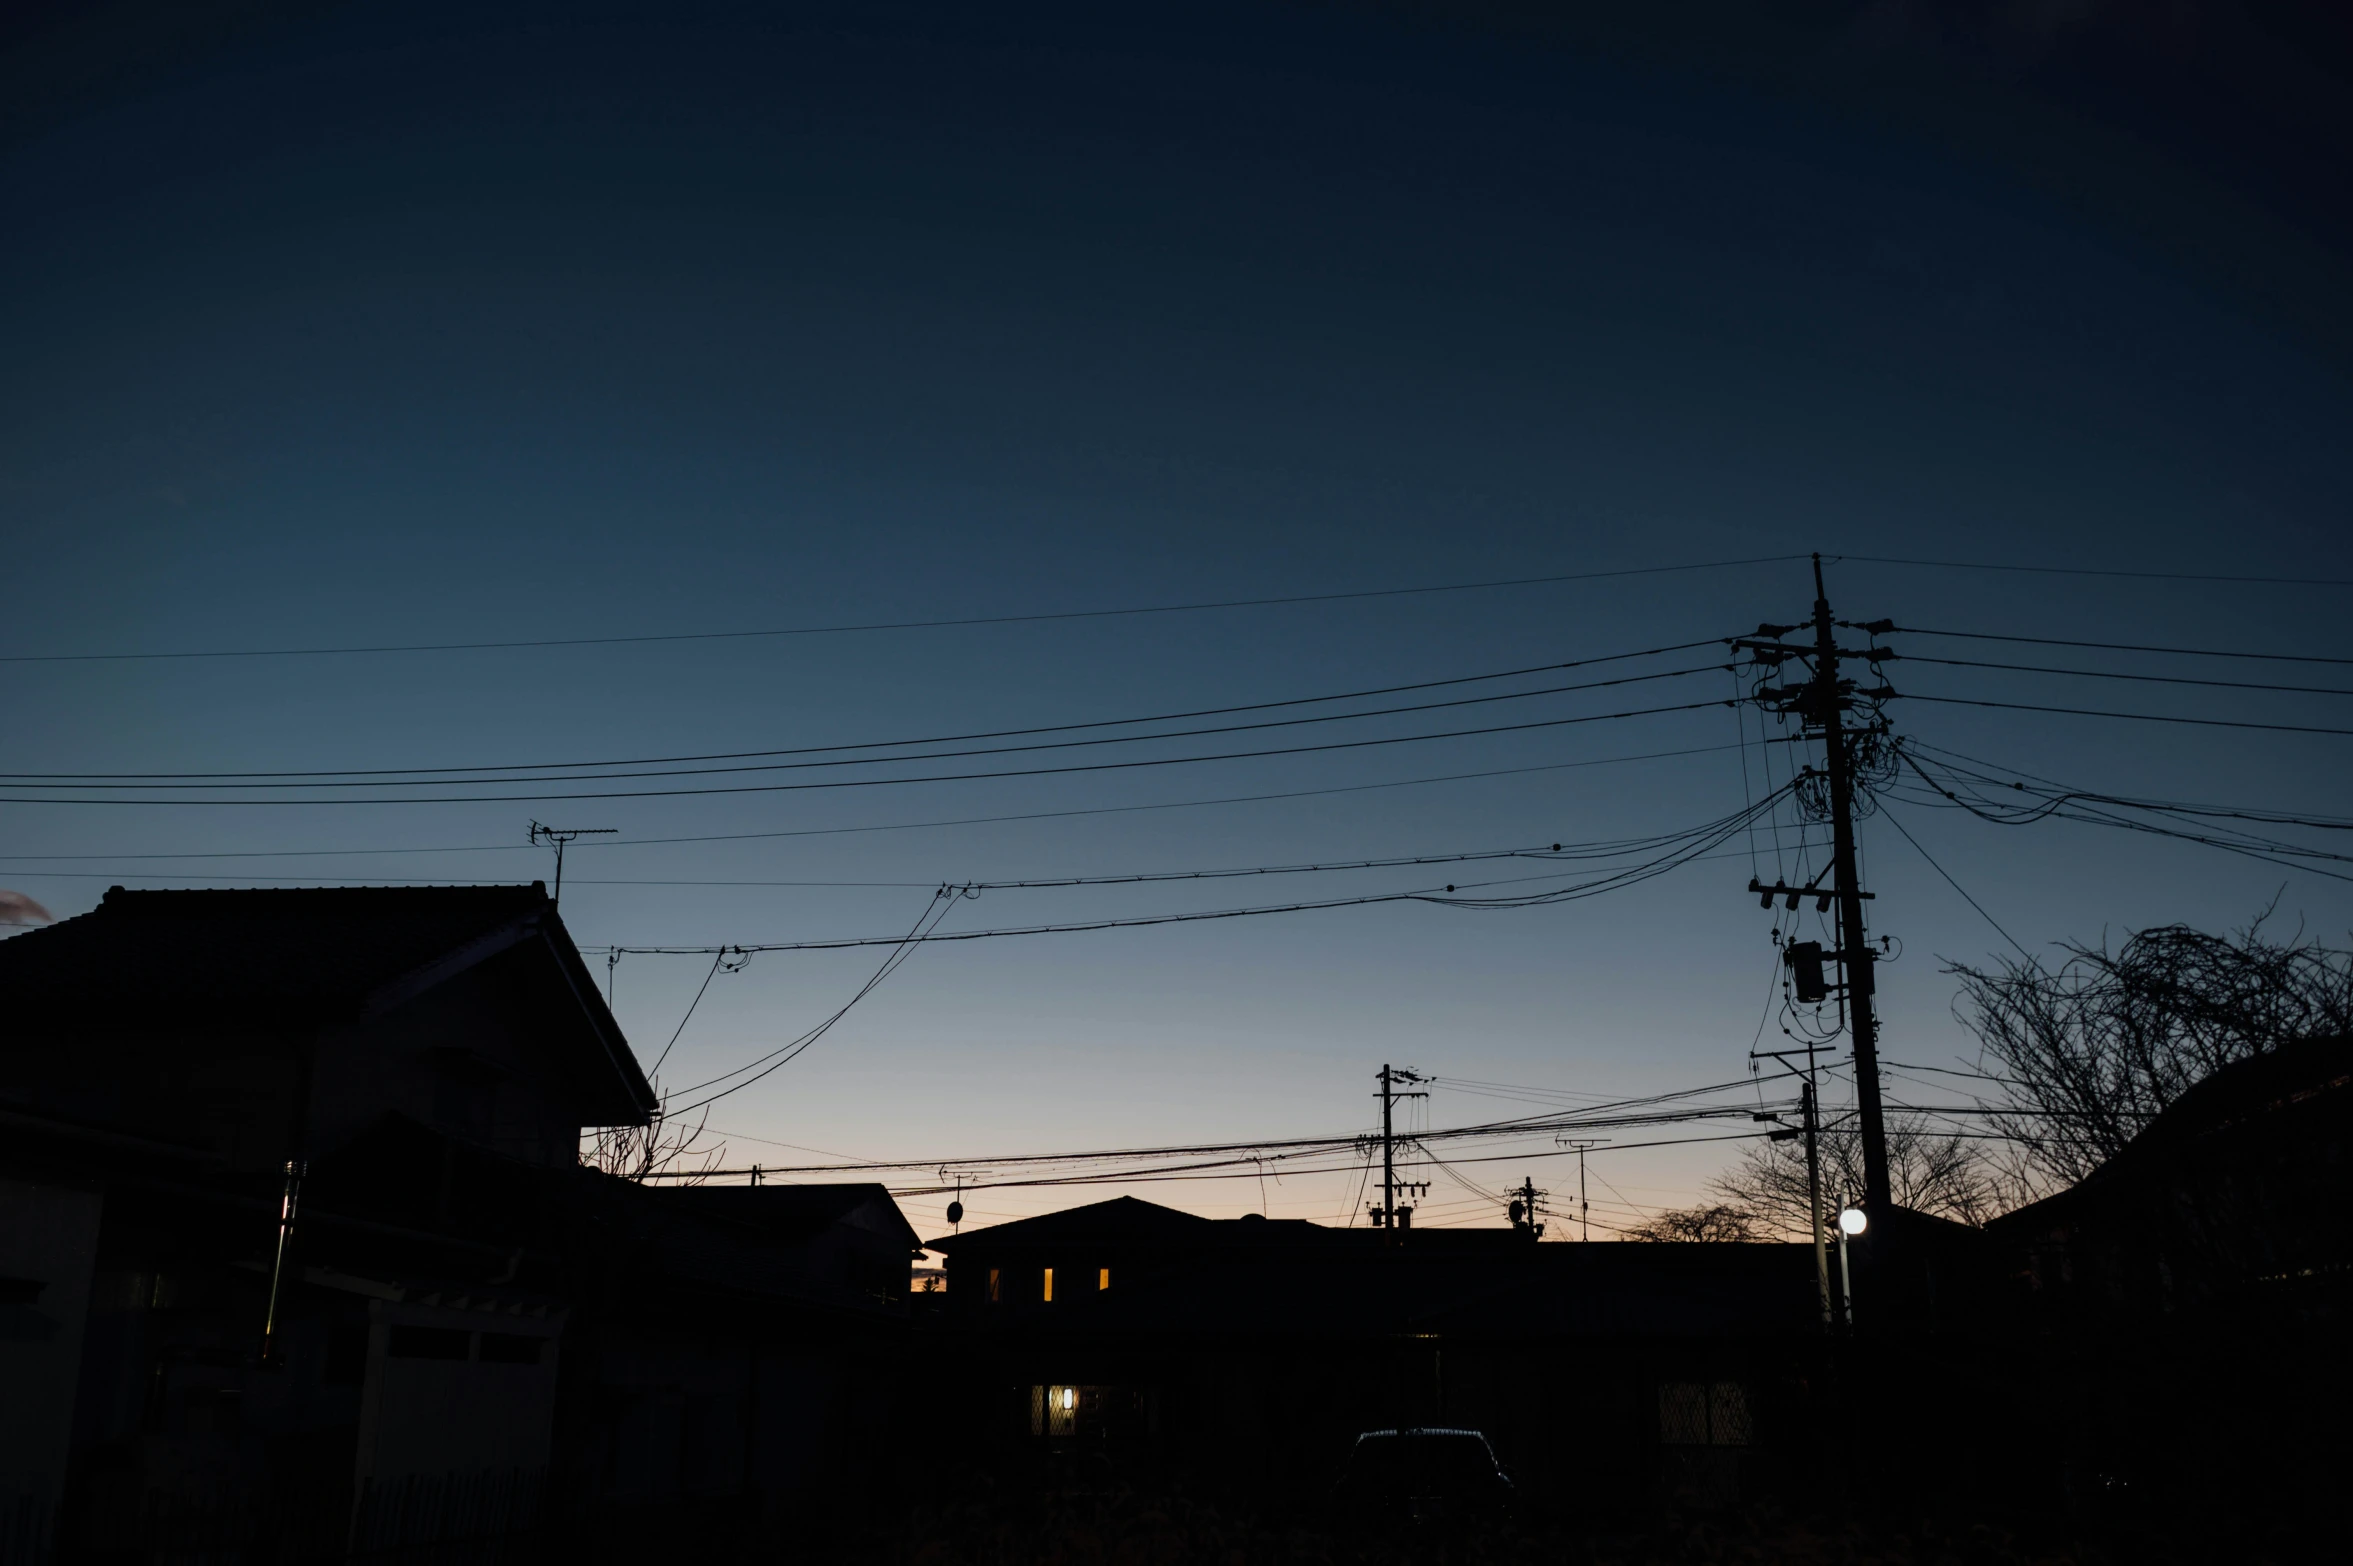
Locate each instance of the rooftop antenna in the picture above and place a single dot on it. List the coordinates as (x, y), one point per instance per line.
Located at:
(559, 836)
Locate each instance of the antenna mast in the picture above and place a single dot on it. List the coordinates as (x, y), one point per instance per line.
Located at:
(559, 836)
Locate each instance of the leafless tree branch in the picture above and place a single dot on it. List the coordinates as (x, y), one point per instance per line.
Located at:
(2091, 1050)
(663, 1146)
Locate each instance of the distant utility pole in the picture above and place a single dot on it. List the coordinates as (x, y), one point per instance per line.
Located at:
(1822, 702)
(1814, 1193)
(1523, 1209)
(1389, 1215)
(1584, 1207)
(559, 836)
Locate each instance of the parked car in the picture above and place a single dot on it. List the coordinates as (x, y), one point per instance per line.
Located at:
(1423, 1476)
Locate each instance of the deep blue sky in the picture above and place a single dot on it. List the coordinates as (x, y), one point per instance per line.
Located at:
(392, 324)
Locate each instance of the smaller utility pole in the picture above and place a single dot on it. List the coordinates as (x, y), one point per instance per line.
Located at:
(1814, 1194)
(559, 836)
(1389, 1215)
(1523, 1209)
(1810, 1127)
(1584, 1207)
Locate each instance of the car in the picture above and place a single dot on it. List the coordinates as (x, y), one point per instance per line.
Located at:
(1423, 1476)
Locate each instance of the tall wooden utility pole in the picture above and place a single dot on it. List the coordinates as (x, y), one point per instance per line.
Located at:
(1829, 699)
(1822, 702)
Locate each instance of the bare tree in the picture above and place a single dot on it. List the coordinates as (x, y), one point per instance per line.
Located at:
(2087, 1053)
(1943, 1173)
(664, 1147)
(1695, 1223)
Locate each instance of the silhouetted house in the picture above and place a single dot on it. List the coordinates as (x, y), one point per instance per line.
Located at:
(749, 1345)
(2232, 1205)
(2177, 1322)
(1266, 1345)
(463, 1314)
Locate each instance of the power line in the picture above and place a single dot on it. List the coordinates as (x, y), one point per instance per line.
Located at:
(1240, 1168)
(1130, 611)
(2139, 647)
(1713, 835)
(707, 881)
(679, 1032)
(935, 739)
(897, 625)
(2208, 840)
(436, 778)
(1893, 821)
(2145, 679)
(2142, 576)
(1532, 1125)
(776, 1059)
(2166, 806)
(953, 777)
(2137, 717)
(902, 826)
(2072, 805)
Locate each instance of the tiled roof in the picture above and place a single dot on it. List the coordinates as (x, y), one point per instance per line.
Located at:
(790, 1211)
(1123, 1219)
(289, 957)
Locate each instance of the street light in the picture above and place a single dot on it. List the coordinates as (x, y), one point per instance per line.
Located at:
(1851, 1221)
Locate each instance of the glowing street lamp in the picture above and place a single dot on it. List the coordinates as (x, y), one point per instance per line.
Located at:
(1851, 1221)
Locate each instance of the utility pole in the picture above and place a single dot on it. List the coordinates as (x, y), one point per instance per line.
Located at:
(1838, 761)
(1814, 1195)
(1389, 1215)
(1822, 702)
(560, 836)
(1522, 1210)
(1809, 1126)
(1584, 1207)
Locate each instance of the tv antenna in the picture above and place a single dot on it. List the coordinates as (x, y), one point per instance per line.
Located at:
(559, 836)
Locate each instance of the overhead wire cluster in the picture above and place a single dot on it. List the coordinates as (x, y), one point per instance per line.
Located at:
(1779, 818)
(1342, 1153)
(873, 763)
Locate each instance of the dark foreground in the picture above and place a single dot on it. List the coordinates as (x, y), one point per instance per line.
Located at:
(1120, 1521)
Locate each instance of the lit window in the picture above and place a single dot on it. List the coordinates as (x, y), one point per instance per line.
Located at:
(996, 1285)
(1049, 1284)
(1103, 1279)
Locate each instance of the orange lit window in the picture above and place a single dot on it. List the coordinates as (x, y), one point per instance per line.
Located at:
(1049, 1283)
(996, 1286)
(1103, 1279)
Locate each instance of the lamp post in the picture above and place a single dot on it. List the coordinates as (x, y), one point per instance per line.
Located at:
(1850, 1222)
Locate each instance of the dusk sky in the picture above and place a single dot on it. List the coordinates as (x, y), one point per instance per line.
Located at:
(366, 326)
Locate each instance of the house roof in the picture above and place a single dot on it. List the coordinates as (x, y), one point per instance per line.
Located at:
(793, 1211)
(2246, 1097)
(398, 1179)
(1123, 1219)
(1126, 1221)
(298, 957)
